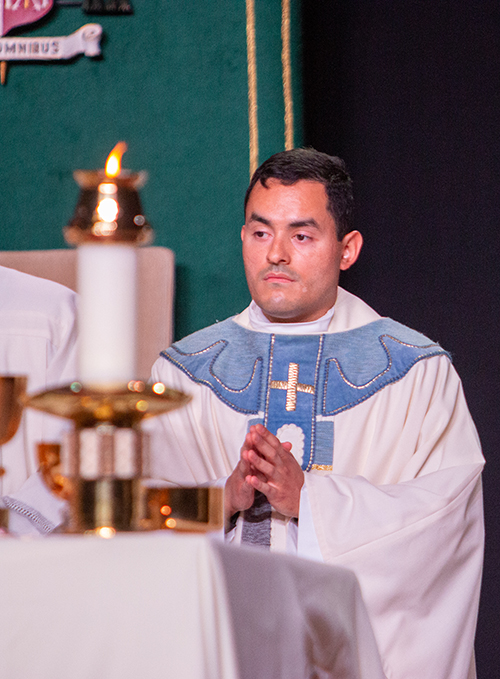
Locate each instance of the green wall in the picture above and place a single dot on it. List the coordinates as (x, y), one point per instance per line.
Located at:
(172, 83)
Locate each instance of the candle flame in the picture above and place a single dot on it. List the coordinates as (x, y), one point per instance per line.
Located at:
(114, 161)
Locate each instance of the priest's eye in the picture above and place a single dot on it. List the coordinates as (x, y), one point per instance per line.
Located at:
(302, 237)
(259, 234)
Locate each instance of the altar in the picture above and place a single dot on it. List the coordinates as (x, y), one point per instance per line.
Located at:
(176, 605)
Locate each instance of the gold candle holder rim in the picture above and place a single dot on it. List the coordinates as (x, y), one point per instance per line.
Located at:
(74, 235)
(122, 406)
(90, 179)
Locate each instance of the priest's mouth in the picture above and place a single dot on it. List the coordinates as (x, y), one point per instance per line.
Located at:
(278, 278)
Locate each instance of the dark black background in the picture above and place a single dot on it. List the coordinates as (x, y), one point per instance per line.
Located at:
(408, 93)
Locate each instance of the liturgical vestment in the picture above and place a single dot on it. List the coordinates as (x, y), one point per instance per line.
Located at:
(377, 418)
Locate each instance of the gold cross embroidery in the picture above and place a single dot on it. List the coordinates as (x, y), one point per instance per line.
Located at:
(292, 386)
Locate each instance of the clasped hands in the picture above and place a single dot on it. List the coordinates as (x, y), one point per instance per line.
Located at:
(266, 465)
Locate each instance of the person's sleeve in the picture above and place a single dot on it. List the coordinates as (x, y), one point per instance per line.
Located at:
(33, 509)
(61, 367)
(443, 467)
(416, 543)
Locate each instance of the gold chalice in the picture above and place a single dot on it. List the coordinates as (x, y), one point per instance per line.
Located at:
(12, 390)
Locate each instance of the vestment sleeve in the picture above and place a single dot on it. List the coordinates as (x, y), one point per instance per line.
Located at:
(410, 522)
(38, 339)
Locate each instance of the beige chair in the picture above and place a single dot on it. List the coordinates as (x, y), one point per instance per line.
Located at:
(155, 292)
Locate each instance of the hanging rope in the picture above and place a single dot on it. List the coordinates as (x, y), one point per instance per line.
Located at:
(286, 63)
(252, 87)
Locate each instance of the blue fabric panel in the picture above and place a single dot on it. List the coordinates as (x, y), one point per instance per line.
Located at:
(343, 369)
(360, 362)
(254, 420)
(324, 443)
(304, 351)
(234, 362)
(213, 357)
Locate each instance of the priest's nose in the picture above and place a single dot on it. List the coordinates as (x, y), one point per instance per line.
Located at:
(278, 252)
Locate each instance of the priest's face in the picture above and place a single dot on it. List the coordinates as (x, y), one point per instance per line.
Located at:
(291, 252)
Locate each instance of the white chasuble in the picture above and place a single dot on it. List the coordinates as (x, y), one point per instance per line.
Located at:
(377, 418)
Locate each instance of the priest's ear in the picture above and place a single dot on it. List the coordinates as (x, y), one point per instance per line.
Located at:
(351, 247)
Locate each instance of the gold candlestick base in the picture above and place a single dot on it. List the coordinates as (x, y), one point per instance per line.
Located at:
(100, 473)
(124, 406)
(107, 503)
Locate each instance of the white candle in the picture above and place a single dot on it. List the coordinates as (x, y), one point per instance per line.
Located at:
(107, 313)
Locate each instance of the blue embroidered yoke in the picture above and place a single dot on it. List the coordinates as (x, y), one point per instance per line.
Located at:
(300, 379)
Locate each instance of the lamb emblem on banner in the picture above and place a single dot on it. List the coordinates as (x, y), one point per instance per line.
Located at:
(19, 12)
(14, 13)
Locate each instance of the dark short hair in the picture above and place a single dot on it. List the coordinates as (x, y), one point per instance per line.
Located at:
(291, 166)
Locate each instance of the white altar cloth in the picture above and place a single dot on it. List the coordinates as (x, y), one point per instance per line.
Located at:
(176, 606)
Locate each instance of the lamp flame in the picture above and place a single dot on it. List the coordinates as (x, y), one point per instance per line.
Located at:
(114, 161)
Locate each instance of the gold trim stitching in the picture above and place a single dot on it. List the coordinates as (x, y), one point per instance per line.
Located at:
(319, 355)
(291, 392)
(389, 365)
(322, 467)
(269, 375)
(237, 391)
(203, 351)
(413, 346)
(211, 386)
(292, 387)
(279, 384)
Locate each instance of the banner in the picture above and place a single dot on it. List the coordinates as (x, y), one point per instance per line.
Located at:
(83, 41)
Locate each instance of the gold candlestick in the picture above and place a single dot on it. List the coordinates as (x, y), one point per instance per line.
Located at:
(102, 466)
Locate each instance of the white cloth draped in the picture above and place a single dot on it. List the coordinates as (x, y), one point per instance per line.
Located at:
(178, 606)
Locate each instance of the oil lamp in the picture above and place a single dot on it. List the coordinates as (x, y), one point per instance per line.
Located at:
(109, 208)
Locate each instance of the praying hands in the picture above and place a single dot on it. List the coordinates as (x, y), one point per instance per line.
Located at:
(266, 465)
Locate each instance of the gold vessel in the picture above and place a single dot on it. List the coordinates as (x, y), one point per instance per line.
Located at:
(100, 469)
(12, 390)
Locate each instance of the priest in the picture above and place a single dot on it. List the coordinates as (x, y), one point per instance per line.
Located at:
(339, 435)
